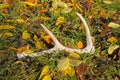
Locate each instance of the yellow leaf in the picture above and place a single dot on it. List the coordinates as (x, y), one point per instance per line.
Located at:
(8, 34)
(31, 4)
(107, 1)
(20, 21)
(18, 62)
(44, 18)
(60, 20)
(80, 45)
(27, 51)
(69, 71)
(112, 39)
(57, 4)
(17, 20)
(47, 77)
(44, 72)
(26, 35)
(46, 38)
(112, 48)
(66, 10)
(63, 64)
(62, 5)
(113, 25)
(74, 55)
(74, 62)
(38, 45)
(9, 27)
(35, 38)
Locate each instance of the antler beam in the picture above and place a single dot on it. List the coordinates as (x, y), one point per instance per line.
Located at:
(58, 46)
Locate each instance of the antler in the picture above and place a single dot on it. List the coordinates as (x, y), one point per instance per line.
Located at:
(58, 46)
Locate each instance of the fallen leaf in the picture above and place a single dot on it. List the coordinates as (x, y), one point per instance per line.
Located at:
(18, 62)
(74, 55)
(57, 4)
(9, 27)
(38, 45)
(44, 18)
(31, 4)
(80, 45)
(20, 21)
(112, 39)
(26, 35)
(112, 48)
(69, 71)
(47, 77)
(46, 38)
(35, 38)
(80, 73)
(24, 49)
(66, 10)
(63, 64)
(8, 34)
(60, 20)
(113, 25)
(74, 62)
(43, 10)
(107, 1)
(103, 13)
(44, 72)
(60, 4)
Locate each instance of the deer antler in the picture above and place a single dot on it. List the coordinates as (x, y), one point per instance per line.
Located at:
(58, 46)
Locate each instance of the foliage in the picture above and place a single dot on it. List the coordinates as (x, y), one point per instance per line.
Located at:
(21, 33)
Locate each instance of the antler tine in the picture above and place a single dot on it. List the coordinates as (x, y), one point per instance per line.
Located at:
(58, 46)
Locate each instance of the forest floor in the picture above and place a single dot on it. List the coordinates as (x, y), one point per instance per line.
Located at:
(20, 33)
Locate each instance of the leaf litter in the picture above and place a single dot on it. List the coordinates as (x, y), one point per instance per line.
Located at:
(21, 33)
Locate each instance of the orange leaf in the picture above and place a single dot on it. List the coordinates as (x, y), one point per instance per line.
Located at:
(43, 10)
(23, 48)
(80, 45)
(103, 14)
(46, 39)
(112, 39)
